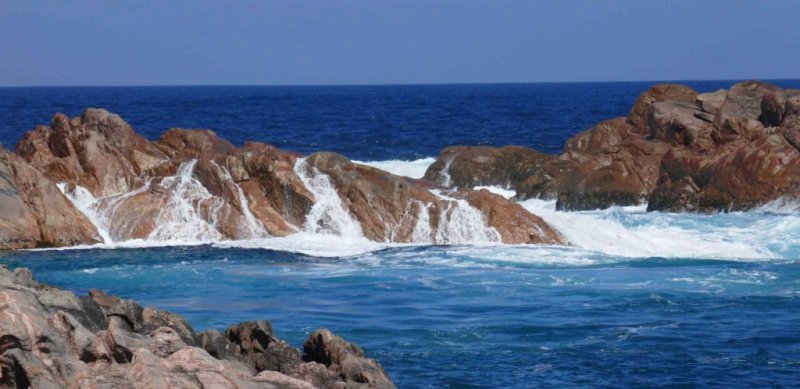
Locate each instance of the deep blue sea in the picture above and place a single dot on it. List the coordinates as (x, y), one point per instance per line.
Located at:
(639, 299)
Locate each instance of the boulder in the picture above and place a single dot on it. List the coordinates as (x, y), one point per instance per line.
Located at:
(660, 92)
(613, 163)
(34, 212)
(465, 167)
(345, 359)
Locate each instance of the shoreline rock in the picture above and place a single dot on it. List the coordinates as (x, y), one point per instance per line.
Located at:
(677, 150)
(192, 184)
(50, 338)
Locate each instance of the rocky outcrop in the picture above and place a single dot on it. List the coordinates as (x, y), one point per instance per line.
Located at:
(677, 150)
(50, 338)
(748, 157)
(468, 166)
(97, 150)
(194, 185)
(34, 212)
(400, 209)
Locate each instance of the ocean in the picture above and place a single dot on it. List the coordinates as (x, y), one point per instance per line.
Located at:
(639, 299)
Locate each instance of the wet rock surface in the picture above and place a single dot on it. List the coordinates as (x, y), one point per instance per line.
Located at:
(50, 338)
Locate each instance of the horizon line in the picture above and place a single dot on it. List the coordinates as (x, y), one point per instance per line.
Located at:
(394, 84)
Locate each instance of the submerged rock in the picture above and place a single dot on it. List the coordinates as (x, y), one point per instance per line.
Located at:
(50, 338)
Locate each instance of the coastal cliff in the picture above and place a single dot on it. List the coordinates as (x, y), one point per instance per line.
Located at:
(50, 338)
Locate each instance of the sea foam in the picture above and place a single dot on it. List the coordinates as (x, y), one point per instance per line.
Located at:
(614, 234)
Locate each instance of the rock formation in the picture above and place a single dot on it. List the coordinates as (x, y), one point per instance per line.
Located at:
(677, 150)
(50, 338)
(93, 178)
(34, 213)
(193, 185)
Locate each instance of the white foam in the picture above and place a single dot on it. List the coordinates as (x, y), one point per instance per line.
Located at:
(422, 229)
(253, 228)
(507, 193)
(327, 215)
(412, 169)
(445, 173)
(461, 223)
(783, 205)
(179, 219)
(619, 233)
(86, 203)
(318, 245)
(648, 234)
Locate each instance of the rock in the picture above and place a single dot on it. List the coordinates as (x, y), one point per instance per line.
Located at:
(660, 92)
(747, 176)
(680, 124)
(156, 318)
(395, 209)
(282, 381)
(255, 344)
(468, 166)
(182, 144)
(712, 102)
(44, 343)
(513, 222)
(192, 184)
(612, 163)
(98, 151)
(345, 358)
(677, 150)
(34, 212)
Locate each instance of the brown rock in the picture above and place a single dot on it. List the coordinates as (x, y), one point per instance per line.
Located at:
(712, 102)
(514, 223)
(345, 358)
(34, 212)
(661, 92)
(468, 166)
(390, 208)
(98, 151)
(737, 179)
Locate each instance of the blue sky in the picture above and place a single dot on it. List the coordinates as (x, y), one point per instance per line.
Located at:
(179, 42)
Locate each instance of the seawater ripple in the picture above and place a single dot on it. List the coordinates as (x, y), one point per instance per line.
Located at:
(444, 316)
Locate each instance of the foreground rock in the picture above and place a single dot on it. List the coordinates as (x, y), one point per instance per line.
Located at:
(50, 338)
(677, 150)
(193, 185)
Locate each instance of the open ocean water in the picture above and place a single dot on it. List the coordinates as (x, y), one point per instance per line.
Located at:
(640, 299)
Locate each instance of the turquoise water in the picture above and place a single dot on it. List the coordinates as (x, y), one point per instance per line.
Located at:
(503, 316)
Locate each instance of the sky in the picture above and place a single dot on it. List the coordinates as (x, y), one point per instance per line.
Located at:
(259, 42)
